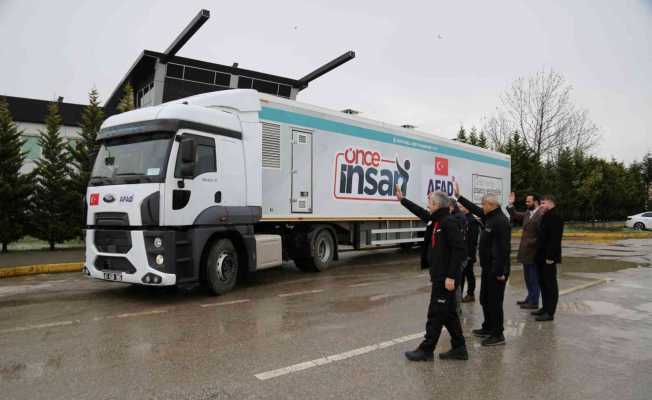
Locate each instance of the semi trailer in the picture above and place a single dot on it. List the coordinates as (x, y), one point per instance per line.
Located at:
(213, 187)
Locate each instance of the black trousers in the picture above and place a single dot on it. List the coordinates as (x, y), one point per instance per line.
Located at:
(549, 286)
(469, 277)
(492, 294)
(442, 312)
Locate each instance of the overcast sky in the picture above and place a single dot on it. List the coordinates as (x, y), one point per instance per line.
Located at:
(434, 64)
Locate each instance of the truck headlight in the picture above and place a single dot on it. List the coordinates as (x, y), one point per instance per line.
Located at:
(158, 242)
(160, 259)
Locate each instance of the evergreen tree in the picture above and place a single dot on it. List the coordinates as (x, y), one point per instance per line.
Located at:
(473, 137)
(482, 140)
(461, 135)
(52, 218)
(126, 103)
(82, 150)
(14, 187)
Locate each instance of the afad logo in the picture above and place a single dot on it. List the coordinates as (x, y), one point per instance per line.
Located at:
(442, 183)
(362, 174)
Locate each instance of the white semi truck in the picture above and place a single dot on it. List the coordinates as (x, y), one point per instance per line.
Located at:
(219, 185)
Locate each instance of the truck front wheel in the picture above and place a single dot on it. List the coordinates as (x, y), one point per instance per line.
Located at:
(322, 252)
(222, 266)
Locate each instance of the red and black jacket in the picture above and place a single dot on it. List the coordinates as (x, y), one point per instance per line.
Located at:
(444, 251)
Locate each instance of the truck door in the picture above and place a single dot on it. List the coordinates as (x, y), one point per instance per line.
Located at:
(301, 171)
(190, 196)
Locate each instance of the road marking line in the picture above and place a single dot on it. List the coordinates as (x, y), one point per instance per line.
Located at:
(379, 297)
(584, 286)
(39, 326)
(357, 285)
(128, 315)
(336, 357)
(301, 293)
(225, 303)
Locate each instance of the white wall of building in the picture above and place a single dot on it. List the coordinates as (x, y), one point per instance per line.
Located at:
(31, 132)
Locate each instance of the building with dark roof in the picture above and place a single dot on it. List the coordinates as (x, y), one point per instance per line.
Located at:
(29, 115)
(160, 77)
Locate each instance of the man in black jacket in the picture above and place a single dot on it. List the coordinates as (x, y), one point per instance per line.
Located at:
(444, 255)
(548, 255)
(472, 233)
(494, 248)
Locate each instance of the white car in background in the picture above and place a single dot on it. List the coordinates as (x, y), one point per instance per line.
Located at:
(640, 221)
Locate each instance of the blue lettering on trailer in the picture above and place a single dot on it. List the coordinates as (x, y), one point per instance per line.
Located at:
(275, 114)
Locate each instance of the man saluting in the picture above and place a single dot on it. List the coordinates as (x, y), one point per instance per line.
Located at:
(444, 254)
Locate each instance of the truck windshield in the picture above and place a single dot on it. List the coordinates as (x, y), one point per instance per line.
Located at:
(132, 159)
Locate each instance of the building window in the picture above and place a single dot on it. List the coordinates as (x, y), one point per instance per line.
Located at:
(244, 82)
(222, 79)
(31, 147)
(175, 71)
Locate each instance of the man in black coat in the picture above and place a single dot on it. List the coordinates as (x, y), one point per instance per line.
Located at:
(494, 249)
(548, 255)
(472, 234)
(445, 253)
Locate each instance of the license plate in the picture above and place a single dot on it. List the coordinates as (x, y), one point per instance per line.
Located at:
(113, 276)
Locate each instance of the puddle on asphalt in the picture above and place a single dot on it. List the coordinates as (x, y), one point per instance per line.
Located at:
(365, 303)
(605, 308)
(588, 264)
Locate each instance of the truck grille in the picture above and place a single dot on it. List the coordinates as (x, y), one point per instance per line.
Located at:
(112, 219)
(106, 263)
(112, 241)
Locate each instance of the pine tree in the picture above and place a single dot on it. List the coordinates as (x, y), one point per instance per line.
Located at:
(14, 186)
(473, 137)
(52, 218)
(126, 103)
(82, 150)
(482, 140)
(461, 135)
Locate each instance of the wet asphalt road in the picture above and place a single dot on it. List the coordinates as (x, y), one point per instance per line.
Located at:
(339, 334)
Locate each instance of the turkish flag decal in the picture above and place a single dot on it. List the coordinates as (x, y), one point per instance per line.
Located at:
(441, 166)
(95, 199)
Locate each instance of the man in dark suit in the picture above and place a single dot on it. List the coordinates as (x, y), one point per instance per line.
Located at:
(472, 234)
(527, 248)
(548, 255)
(445, 253)
(494, 249)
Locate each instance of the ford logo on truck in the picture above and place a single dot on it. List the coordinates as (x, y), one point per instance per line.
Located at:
(362, 174)
(108, 198)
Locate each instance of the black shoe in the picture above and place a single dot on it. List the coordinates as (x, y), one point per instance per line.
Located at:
(481, 333)
(494, 341)
(520, 303)
(544, 317)
(540, 311)
(458, 353)
(469, 298)
(420, 355)
(529, 307)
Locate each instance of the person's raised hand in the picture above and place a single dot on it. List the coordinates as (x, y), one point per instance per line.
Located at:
(511, 199)
(399, 193)
(456, 189)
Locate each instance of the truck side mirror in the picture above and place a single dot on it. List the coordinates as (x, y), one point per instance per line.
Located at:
(188, 149)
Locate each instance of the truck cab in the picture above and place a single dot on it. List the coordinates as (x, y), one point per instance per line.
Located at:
(175, 188)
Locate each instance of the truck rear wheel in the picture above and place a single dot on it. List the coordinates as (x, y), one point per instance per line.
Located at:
(222, 266)
(322, 252)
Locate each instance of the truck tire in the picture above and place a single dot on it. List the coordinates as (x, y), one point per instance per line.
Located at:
(322, 252)
(222, 266)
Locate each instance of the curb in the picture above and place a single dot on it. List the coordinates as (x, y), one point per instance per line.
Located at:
(40, 269)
